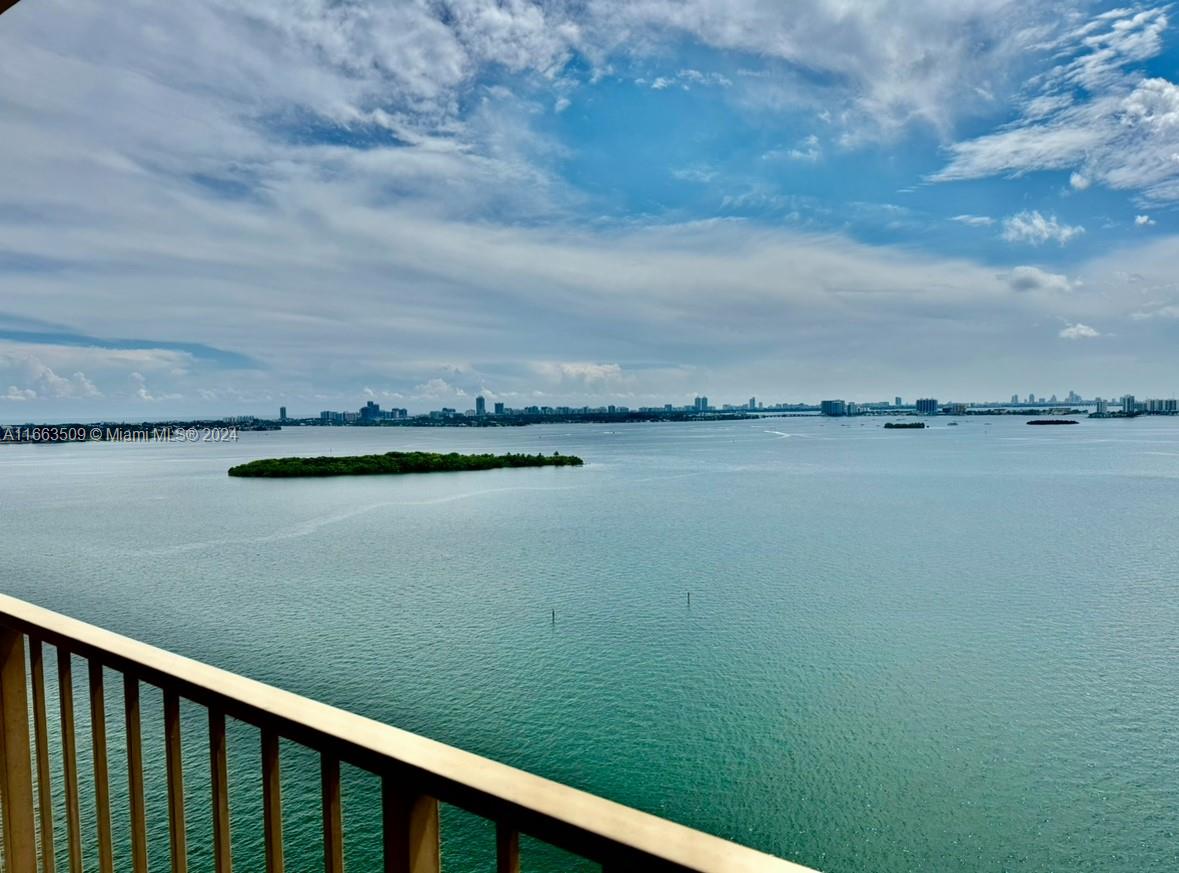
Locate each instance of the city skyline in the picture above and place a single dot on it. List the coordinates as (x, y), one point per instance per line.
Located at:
(491, 404)
(372, 412)
(213, 208)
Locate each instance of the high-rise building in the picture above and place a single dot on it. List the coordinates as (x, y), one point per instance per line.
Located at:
(282, 413)
(898, 401)
(753, 403)
(701, 404)
(1014, 399)
(1161, 407)
(480, 406)
(833, 407)
(370, 411)
(1129, 404)
(499, 409)
(927, 406)
(1102, 406)
(1031, 398)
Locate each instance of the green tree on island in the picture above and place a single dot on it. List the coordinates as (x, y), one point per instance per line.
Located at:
(394, 463)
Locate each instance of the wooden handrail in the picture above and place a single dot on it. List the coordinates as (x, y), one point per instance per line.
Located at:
(412, 765)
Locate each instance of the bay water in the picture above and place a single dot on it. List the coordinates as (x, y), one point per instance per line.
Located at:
(947, 649)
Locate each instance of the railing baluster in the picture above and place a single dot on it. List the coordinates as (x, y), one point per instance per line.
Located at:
(272, 801)
(102, 792)
(16, 766)
(417, 774)
(333, 818)
(507, 849)
(41, 730)
(135, 774)
(69, 758)
(177, 840)
(410, 830)
(219, 765)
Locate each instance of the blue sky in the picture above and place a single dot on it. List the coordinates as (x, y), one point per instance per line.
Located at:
(220, 207)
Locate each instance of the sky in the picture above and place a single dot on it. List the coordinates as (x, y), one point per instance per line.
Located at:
(219, 207)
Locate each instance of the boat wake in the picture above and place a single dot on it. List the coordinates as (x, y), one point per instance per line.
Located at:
(314, 525)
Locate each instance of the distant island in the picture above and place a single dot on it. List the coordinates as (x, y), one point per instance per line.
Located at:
(904, 425)
(394, 463)
(1052, 421)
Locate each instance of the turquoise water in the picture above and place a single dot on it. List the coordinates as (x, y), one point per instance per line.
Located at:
(951, 649)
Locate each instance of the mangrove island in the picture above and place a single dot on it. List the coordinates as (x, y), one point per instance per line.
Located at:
(394, 463)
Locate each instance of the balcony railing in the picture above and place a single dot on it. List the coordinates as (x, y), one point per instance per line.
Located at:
(416, 773)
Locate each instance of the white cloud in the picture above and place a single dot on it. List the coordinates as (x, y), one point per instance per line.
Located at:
(690, 77)
(147, 395)
(1170, 311)
(974, 220)
(141, 387)
(19, 394)
(685, 80)
(438, 389)
(400, 58)
(1035, 279)
(410, 68)
(34, 378)
(694, 174)
(885, 65)
(584, 371)
(1078, 331)
(1094, 114)
(1035, 229)
(809, 150)
(1143, 220)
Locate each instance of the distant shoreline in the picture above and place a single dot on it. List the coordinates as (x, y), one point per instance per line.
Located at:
(226, 429)
(103, 431)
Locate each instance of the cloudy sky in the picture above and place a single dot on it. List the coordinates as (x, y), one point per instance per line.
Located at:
(218, 206)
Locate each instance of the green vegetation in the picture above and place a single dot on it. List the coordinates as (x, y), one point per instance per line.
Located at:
(904, 425)
(1052, 421)
(394, 463)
